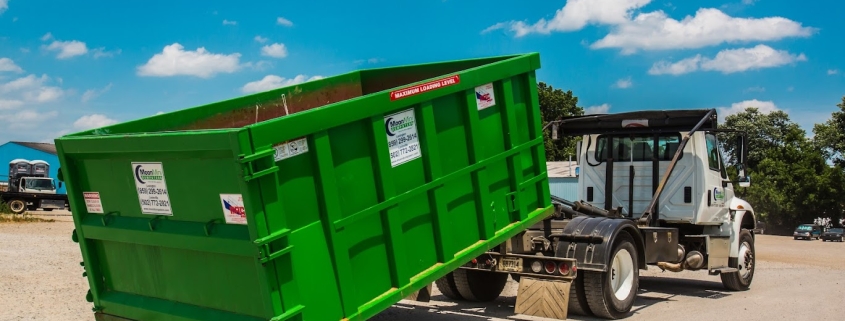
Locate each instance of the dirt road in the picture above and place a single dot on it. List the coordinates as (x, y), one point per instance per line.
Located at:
(40, 279)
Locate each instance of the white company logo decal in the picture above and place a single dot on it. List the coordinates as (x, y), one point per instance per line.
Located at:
(402, 139)
(151, 188)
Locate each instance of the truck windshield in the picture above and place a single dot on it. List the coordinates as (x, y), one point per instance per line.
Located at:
(640, 147)
(39, 184)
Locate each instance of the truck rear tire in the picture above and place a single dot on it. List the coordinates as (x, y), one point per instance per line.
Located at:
(611, 294)
(447, 286)
(746, 261)
(17, 206)
(577, 298)
(481, 286)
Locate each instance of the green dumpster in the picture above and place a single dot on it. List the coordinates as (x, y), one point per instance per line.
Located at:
(326, 200)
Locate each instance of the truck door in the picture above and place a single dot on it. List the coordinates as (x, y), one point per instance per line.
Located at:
(719, 190)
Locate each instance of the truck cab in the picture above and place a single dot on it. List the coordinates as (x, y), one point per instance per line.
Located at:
(39, 185)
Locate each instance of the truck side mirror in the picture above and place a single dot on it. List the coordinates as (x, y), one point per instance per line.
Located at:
(745, 181)
(554, 131)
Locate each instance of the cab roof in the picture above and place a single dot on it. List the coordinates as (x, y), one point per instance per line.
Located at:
(648, 121)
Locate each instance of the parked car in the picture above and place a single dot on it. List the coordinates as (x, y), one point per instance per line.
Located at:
(761, 227)
(834, 234)
(807, 232)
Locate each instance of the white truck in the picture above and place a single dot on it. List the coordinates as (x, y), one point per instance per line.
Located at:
(653, 191)
(30, 187)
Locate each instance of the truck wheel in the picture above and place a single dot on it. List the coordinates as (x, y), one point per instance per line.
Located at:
(611, 294)
(741, 280)
(447, 286)
(17, 206)
(481, 286)
(577, 298)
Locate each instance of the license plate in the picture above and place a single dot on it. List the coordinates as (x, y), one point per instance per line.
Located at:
(511, 264)
(52, 204)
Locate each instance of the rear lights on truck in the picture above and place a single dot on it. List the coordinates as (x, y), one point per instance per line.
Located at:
(552, 267)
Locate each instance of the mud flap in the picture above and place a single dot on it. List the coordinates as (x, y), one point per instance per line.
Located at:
(423, 295)
(543, 298)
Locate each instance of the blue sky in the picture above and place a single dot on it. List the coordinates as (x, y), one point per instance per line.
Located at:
(68, 66)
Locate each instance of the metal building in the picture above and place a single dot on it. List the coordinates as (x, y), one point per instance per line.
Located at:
(563, 179)
(29, 151)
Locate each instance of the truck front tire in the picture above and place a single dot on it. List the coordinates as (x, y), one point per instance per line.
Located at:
(17, 206)
(611, 294)
(746, 262)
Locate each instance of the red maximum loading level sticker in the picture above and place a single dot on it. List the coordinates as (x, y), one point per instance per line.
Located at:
(429, 86)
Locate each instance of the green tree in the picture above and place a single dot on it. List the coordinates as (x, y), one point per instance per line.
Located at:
(791, 181)
(555, 104)
(830, 136)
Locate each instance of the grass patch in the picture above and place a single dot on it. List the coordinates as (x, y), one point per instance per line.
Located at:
(6, 216)
(23, 218)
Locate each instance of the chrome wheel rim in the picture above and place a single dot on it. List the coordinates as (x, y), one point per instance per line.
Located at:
(747, 258)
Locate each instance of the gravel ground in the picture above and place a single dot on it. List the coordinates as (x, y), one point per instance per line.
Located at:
(795, 280)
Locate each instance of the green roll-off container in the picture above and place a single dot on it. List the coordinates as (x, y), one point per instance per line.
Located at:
(327, 200)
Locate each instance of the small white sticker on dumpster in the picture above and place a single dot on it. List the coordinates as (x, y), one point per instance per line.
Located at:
(233, 208)
(151, 188)
(402, 138)
(484, 96)
(290, 149)
(93, 204)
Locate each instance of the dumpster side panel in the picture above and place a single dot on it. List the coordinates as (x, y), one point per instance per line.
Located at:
(392, 223)
(187, 263)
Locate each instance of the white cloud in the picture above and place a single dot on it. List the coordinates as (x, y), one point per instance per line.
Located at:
(44, 94)
(25, 50)
(30, 89)
(10, 104)
(729, 61)
(101, 52)
(94, 93)
(271, 82)
(230, 23)
(68, 49)
(276, 50)
(624, 83)
(4, 4)
(7, 65)
(599, 109)
(709, 27)
(175, 61)
(764, 107)
(678, 68)
(575, 15)
(93, 121)
(261, 39)
(27, 118)
(284, 22)
(829, 71)
(748, 2)
(47, 36)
